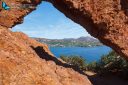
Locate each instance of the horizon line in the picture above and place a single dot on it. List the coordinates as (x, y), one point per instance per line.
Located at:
(63, 38)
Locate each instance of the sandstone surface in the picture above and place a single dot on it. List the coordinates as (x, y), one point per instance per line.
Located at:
(24, 61)
(106, 20)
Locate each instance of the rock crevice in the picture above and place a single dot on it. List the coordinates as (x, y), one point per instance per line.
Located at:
(21, 62)
(24, 61)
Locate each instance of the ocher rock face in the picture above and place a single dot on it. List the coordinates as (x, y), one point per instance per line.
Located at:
(20, 63)
(104, 19)
(24, 61)
(19, 56)
(17, 12)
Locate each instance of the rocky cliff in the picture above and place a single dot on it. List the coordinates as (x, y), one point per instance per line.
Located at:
(20, 57)
(104, 19)
(24, 61)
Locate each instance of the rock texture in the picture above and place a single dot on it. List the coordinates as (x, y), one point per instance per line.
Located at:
(24, 61)
(106, 20)
(19, 9)
(20, 64)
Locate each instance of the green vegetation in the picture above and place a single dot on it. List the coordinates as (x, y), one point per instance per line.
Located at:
(72, 44)
(111, 63)
(76, 61)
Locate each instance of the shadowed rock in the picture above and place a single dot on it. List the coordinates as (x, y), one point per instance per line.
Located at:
(20, 63)
(104, 19)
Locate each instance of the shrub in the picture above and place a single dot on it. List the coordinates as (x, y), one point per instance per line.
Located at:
(92, 66)
(111, 63)
(76, 61)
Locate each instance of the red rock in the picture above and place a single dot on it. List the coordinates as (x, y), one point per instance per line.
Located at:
(106, 20)
(103, 19)
(22, 64)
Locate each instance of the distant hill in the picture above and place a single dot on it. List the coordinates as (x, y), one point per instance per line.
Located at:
(83, 39)
(70, 42)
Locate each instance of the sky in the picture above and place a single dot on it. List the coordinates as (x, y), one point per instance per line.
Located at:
(47, 22)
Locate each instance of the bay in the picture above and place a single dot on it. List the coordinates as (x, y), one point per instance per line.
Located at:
(89, 53)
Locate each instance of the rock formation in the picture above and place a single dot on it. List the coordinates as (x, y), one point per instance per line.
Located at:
(20, 64)
(103, 19)
(24, 61)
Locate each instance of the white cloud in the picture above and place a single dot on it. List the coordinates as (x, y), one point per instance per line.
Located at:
(59, 30)
(50, 24)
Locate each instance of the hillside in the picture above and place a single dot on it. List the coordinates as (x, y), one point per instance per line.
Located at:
(70, 42)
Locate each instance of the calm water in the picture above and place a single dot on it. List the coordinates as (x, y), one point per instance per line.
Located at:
(89, 53)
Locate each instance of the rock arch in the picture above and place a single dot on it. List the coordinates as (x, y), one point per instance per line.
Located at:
(104, 19)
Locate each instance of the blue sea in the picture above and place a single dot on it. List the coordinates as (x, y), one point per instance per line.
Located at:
(89, 53)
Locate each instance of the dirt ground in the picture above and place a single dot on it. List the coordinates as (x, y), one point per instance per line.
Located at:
(105, 80)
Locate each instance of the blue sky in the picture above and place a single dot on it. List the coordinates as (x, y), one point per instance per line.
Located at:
(48, 22)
